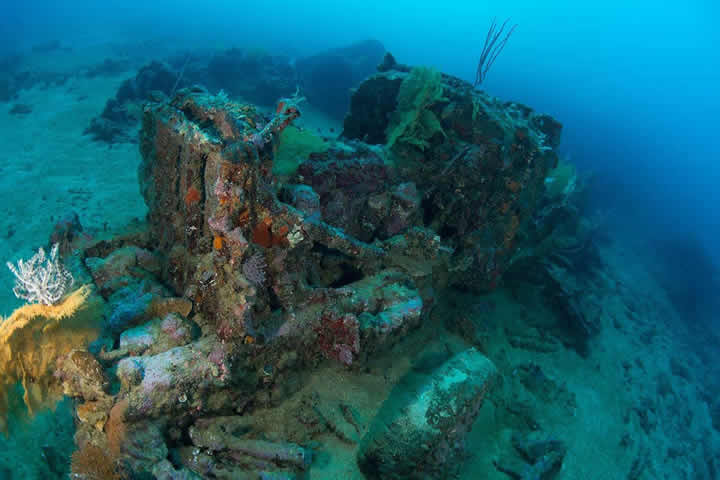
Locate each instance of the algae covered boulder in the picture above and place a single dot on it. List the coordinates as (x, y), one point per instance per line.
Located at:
(174, 381)
(419, 431)
(477, 163)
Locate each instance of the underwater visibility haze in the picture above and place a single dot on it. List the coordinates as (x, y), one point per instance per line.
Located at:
(359, 240)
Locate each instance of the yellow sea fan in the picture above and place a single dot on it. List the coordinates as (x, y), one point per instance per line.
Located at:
(35, 336)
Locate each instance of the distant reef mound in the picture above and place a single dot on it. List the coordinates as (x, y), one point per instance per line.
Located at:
(254, 75)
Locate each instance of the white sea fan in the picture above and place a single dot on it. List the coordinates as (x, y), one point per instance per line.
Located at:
(41, 279)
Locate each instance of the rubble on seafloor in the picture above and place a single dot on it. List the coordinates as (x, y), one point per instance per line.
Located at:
(244, 284)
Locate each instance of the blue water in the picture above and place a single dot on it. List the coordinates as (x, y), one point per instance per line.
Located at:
(634, 83)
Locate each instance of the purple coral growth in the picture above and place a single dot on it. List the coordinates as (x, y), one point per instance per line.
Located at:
(219, 223)
(222, 188)
(254, 269)
(258, 140)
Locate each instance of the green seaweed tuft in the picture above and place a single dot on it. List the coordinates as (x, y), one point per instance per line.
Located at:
(294, 147)
(561, 180)
(413, 122)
